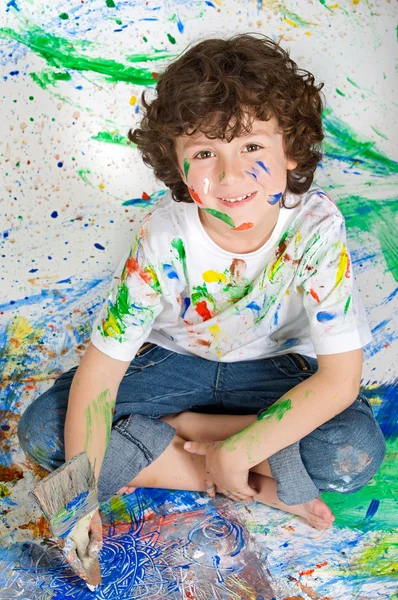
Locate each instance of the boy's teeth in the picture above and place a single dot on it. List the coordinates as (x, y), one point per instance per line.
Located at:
(237, 199)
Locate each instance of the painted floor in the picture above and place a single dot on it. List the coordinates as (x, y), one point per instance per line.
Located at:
(72, 75)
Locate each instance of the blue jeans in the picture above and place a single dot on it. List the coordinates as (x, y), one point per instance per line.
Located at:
(159, 382)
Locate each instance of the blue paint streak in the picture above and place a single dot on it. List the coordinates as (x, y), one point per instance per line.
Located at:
(274, 198)
(170, 272)
(324, 317)
(186, 305)
(99, 247)
(372, 510)
(263, 166)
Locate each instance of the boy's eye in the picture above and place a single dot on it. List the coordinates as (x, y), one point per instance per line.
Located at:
(209, 151)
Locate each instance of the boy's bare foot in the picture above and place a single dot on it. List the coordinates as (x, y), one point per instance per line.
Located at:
(316, 512)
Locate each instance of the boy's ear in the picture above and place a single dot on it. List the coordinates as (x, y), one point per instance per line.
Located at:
(291, 164)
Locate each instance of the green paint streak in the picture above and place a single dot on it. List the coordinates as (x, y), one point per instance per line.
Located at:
(296, 18)
(178, 245)
(277, 410)
(200, 292)
(221, 216)
(350, 509)
(64, 16)
(342, 143)
(110, 4)
(47, 78)
(187, 164)
(340, 92)
(377, 217)
(60, 53)
(89, 428)
(379, 132)
(347, 304)
(353, 83)
(171, 39)
(222, 176)
(113, 138)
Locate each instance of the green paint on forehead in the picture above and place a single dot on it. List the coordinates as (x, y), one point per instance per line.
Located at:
(187, 164)
(277, 410)
(221, 216)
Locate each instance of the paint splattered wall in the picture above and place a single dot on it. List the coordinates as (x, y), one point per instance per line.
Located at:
(74, 188)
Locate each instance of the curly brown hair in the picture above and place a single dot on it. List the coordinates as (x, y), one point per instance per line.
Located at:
(238, 79)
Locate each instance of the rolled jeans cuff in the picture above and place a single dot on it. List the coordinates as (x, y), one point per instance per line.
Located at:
(135, 442)
(293, 483)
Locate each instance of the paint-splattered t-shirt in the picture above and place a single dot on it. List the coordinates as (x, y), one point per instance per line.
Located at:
(180, 290)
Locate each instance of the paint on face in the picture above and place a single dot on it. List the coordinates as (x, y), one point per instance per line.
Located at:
(206, 185)
(187, 164)
(222, 216)
(222, 176)
(263, 166)
(244, 226)
(274, 198)
(277, 410)
(194, 195)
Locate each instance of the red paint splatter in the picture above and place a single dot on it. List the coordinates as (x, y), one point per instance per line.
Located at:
(307, 572)
(314, 295)
(244, 226)
(132, 266)
(203, 311)
(347, 271)
(145, 196)
(155, 75)
(194, 196)
(189, 595)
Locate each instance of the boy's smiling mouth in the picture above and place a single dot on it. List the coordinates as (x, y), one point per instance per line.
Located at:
(238, 201)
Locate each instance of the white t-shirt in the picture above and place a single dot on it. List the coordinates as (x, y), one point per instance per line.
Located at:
(177, 288)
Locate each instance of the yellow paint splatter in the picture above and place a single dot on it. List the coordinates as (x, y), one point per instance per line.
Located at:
(289, 22)
(308, 33)
(212, 276)
(133, 100)
(355, 1)
(298, 237)
(342, 264)
(101, 186)
(214, 329)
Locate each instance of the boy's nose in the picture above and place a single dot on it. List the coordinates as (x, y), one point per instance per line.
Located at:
(232, 175)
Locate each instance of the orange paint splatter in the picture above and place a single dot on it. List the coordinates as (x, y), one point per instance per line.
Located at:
(13, 473)
(194, 196)
(39, 528)
(132, 266)
(244, 226)
(145, 196)
(203, 311)
(314, 295)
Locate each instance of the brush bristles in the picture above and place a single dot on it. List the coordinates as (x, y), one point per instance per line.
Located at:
(67, 494)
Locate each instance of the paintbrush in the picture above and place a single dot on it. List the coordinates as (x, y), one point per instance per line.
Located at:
(68, 499)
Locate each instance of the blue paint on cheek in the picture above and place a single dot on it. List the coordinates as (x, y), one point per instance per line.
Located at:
(252, 174)
(263, 166)
(274, 198)
(324, 317)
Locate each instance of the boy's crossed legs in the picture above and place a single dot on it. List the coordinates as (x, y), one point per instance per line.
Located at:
(178, 469)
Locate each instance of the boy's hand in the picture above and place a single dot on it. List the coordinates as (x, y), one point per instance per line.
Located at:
(89, 546)
(222, 471)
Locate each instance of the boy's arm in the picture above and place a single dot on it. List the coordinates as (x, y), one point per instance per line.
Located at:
(91, 404)
(297, 413)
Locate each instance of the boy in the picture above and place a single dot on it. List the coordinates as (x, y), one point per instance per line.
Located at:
(237, 299)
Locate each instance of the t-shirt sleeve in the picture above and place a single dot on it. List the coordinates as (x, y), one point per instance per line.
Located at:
(133, 303)
(332, 302)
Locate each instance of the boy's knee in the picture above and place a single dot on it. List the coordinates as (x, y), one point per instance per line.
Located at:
(359, 458)
(39, 440)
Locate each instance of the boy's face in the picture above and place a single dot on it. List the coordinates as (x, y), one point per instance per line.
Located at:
(218, 174)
